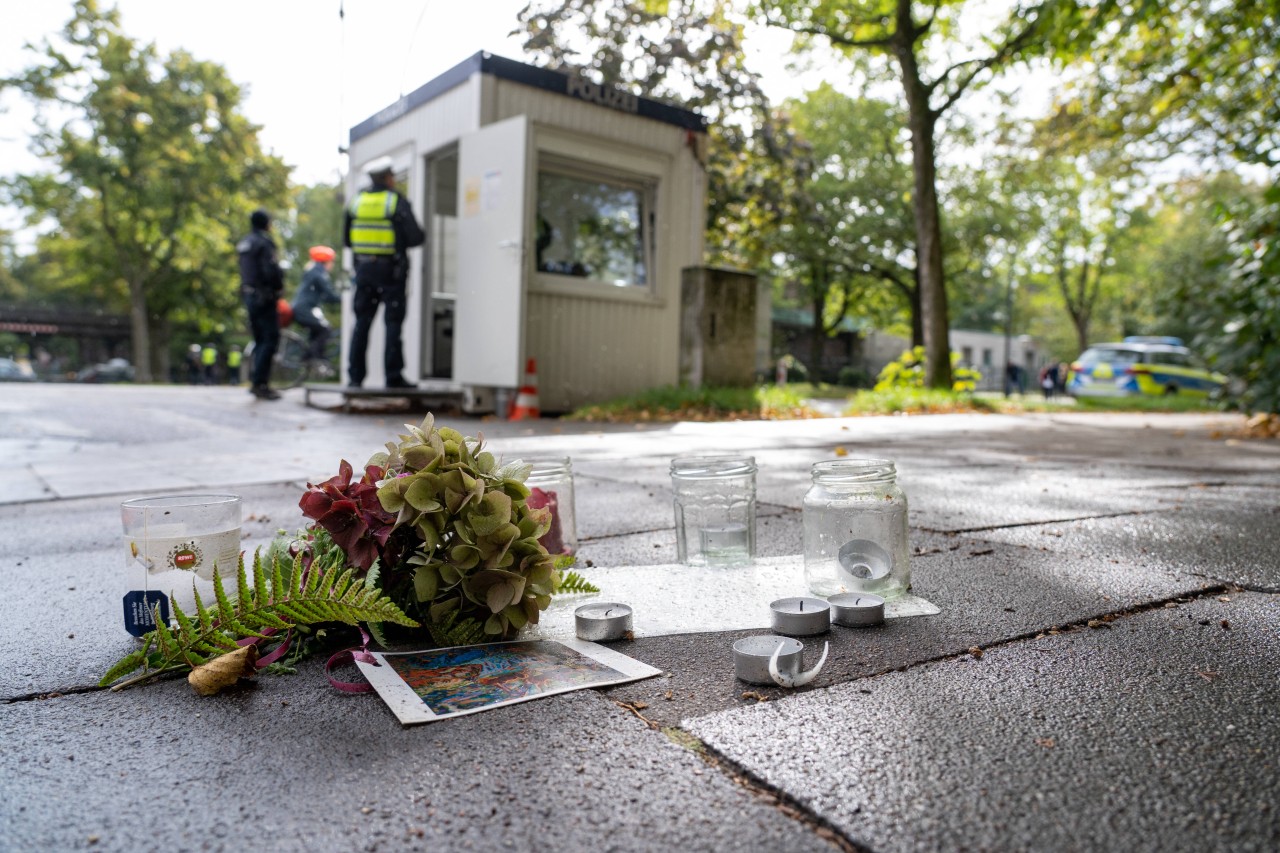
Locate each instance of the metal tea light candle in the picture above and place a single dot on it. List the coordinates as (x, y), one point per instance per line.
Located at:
(801, 617)
(856, 609)
(602, 621)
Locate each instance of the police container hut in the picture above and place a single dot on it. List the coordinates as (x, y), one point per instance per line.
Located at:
(559, 216)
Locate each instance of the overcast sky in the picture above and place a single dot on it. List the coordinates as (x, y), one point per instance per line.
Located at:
(308, 74)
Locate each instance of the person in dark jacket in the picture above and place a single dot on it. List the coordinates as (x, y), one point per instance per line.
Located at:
(380, 229)
(261, 283)
(315, 292)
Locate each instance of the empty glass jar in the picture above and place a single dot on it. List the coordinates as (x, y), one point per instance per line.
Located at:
(715, 508)
(551, 485)
(855, 529)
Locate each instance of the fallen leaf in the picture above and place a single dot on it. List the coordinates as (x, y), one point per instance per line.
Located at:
(840, 451)
(976, 652)
(1046, 742)
(224, 670)
(751, 694)
(1226, 626)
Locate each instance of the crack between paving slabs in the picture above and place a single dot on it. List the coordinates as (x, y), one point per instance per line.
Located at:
(797, 811)
(758, 789)
(957, 531)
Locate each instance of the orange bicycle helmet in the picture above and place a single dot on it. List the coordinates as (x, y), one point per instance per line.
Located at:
(322, 254)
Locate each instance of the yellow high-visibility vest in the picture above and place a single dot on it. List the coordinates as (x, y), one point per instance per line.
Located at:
(371, 229)
(208, 356)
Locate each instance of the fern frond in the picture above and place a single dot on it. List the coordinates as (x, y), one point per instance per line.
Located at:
(450, 630)
(329, 595)
(574, 582)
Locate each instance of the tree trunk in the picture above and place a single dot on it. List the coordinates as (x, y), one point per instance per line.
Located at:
(816, 339)
(917, 314)
(141, 332)
(933, 289)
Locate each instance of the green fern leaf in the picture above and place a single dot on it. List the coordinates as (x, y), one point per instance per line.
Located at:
(455, 631)
(574, 582)
(126, 665)
(324, 598)
(242, 581)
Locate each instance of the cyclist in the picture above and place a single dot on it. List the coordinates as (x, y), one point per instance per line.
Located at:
(315, 291)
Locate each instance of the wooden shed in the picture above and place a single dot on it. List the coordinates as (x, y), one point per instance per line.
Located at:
(559, 216)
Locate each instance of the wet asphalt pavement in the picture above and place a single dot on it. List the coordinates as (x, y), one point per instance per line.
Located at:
(1104, 673)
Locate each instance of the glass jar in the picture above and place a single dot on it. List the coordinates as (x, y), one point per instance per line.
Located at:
(715, 509)
(551, 485)
(855, 529)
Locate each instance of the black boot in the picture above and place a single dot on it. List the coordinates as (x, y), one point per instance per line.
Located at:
(264, 392)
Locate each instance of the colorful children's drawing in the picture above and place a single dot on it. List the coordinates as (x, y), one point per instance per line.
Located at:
(466, 679)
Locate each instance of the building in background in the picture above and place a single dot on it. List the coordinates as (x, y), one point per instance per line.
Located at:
(560, 216)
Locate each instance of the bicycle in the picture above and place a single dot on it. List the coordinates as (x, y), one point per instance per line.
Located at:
(291, 367)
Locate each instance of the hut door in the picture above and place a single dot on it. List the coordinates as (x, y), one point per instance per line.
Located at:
(492, 197)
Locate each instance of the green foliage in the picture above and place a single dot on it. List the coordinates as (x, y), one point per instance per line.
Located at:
(908, 371)
(326, 591)
(573, 582)
(677, 403)
(914, 400)
(1237, 320)
(153, 172)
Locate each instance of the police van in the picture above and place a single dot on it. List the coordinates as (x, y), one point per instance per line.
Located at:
(1151, 365)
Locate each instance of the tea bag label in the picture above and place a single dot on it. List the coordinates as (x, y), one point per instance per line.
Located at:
(139, 610)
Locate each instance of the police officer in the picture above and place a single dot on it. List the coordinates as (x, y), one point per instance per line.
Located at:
(380, 229)
(234, 358)
(261, 283)
(209, 363)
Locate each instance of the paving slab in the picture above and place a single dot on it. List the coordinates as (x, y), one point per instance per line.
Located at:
(988, 594)
(350, 776)
(1156, 733)
(1235, 544)
(288, 764)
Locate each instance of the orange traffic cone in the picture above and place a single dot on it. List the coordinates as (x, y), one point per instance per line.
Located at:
(526, 404)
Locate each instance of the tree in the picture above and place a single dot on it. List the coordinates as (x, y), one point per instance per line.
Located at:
(847, 229)
(155, 172)
(833, 216)
(1197, 77)
(893, 28)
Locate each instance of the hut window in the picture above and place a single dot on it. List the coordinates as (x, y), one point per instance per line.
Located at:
(592, 226)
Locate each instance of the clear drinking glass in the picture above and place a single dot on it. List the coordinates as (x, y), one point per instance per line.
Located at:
(173, 546)
(855, 529)
(715, 509)
(551, 485)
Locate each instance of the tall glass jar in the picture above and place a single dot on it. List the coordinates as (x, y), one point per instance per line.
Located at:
(855, 529)
(715, 509)
(551, 485)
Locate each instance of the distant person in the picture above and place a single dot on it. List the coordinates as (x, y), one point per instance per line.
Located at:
(316, 291)
(192, 362)
(380, 229)
(234, 359)
(209, 364)
(261, 283)
(1049, 380)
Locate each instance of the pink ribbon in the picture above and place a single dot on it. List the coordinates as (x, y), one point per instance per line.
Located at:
(355, 653)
